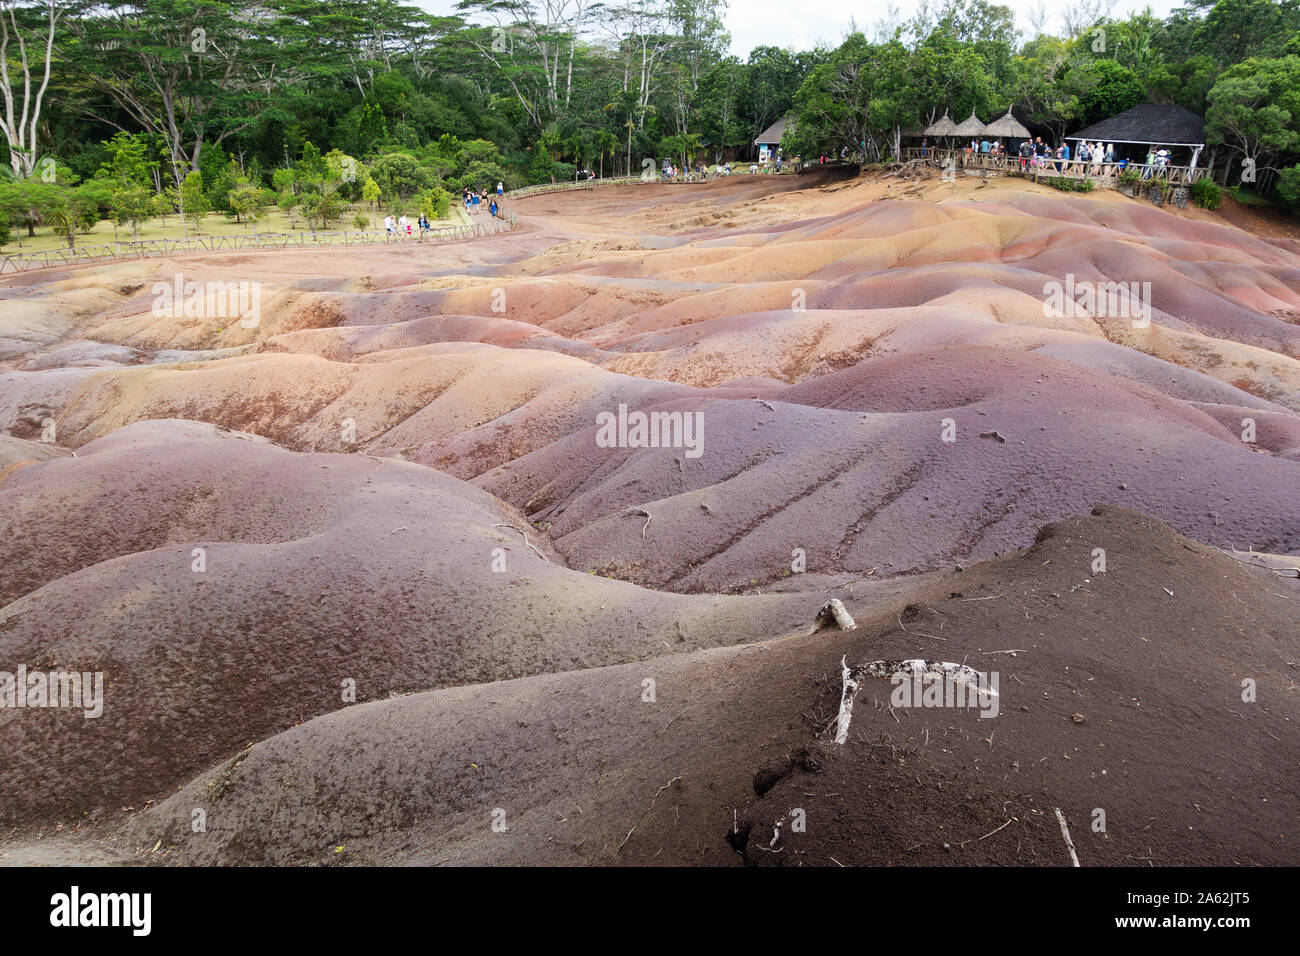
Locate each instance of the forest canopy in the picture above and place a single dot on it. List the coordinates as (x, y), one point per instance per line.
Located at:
(136, 108)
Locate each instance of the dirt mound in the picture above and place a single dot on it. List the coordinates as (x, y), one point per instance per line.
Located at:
(227, 589)
(450, 476)
(1113, 696)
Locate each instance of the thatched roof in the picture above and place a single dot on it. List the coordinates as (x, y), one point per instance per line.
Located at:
(772, 135)
(943, 126)
(1007, 125)
(971, 126)
(1150, 124)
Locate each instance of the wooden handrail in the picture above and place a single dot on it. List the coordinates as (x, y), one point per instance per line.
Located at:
(145, 248)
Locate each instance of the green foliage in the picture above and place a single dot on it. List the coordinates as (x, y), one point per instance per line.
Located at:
(311, 170)
(194, 200)
(299, 91)
(1288, 187)
(435, 203)
(91, 202)
(1114, 89)
(283, 180)
(132, 205)
(1129, 178)
(1255, 109)
(542, 169)
(128, 161)
(1205, 192)
(321, 209)
(247, 201)
(1070, 185)
(399, 176)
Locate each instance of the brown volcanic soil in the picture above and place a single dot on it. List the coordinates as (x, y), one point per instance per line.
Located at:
(588, 772)
(401, 413)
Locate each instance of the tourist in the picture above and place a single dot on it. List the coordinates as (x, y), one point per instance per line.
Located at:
(492, 208)
(424, 226)
(1026, 151)
(501, 189)
(474, 199)
(404, 226)
(390, 227)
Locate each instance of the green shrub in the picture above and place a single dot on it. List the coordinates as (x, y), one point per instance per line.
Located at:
(1206, 193)
(435, 203)
(1069, 185)
(1288, 187)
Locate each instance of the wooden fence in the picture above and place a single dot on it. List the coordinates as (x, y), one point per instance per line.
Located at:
(1103, 174)
(153, 248)
(581, 184)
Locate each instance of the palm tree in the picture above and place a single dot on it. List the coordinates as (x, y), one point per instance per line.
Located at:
(606, 142)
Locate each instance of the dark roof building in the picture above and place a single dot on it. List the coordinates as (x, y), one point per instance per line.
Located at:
(1149, 124)
(772, 135)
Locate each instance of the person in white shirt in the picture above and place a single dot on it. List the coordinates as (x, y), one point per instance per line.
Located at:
(390, 227)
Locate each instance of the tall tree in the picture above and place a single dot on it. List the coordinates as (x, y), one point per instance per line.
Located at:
(192, 72)
(27, 29)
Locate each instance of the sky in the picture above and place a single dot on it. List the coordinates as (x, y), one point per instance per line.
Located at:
(784, 23)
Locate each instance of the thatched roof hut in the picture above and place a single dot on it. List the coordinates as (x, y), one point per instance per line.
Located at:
(971, 126)
(1007, 126)
(943, 126)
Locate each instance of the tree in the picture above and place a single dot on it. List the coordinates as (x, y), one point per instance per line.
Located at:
(399, 176)
(192, 74)
(861, 94)
(247, 202)
(193, 200)
(90, 202)
(1114, 89)
(29, 26)
(533, 46)
(1255, 110)
(30, 201)
(607, 145)
(321, 209)
(132, 204)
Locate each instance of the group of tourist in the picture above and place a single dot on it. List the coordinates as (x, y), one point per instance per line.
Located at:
(1092, 159)
(400, 227)
(672, 173)
(475, 199)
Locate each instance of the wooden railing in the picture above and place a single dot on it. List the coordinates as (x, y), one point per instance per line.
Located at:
(152, 248)
(1104, 174)
(544, 188)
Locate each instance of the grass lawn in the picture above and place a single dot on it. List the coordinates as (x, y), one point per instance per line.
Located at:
(214, 224)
